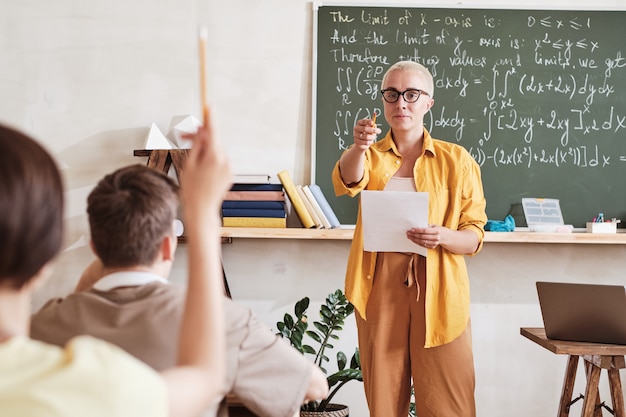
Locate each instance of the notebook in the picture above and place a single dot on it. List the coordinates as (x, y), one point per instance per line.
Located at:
(583, 312)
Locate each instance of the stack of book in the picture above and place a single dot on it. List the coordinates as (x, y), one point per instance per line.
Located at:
(254, 202)
(309, 203)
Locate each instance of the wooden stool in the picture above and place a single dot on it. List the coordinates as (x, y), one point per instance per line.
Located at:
(596, 356)
(163, 159)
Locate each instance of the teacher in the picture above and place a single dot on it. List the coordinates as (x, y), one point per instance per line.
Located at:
(413, 311)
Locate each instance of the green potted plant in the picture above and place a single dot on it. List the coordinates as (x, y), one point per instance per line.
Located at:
(332, 316)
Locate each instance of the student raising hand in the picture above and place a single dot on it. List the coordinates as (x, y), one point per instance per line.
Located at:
(207, 174)
(195, 382)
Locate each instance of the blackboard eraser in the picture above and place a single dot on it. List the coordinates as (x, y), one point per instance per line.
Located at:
(552, 228)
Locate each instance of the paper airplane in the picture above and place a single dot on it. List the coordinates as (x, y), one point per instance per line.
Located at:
(156, 139)
(180, 125)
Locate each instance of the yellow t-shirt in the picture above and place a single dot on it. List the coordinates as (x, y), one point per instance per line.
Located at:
(88, 377)
(453, 181)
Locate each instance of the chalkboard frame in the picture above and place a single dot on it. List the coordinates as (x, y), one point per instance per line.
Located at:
(574, 212)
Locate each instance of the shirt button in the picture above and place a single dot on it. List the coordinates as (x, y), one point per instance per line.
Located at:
(369, 277)
(398, 162)
(386, 174)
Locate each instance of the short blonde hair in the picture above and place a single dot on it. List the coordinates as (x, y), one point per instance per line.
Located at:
(417, 68)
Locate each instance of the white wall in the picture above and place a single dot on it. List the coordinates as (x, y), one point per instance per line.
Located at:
(88, 78)
(514, 376)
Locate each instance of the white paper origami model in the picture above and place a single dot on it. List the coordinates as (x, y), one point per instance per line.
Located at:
(156, 139)
(180, 125)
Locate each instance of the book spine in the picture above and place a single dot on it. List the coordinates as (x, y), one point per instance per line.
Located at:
(316, 207)
(296, 201)
(253, 213)
(253, 204)
(256, 187)
(255, 195)
(325, 205)
(309, 207)
(252, 178)
(254, 222)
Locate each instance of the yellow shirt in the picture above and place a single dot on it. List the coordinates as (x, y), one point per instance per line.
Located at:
(452, 179)
(86, 378)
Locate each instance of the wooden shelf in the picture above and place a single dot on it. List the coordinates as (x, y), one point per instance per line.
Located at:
(576, 238)
(229, 233)
(287, 233)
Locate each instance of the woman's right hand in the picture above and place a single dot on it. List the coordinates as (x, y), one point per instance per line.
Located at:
(351, 162)
(365, 133)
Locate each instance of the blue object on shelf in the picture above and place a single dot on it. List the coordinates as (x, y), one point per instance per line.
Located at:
(506, 225)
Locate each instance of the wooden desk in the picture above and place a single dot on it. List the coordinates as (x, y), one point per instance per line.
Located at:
(597, 356)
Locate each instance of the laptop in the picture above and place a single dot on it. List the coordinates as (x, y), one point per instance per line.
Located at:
(583, 312)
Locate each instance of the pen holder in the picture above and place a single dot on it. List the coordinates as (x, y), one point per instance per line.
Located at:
(601, 227)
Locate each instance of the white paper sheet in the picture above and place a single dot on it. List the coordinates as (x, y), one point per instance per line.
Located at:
(387, 215)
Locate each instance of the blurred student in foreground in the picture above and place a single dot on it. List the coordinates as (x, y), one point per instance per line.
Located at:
(124, 297)
(89, 377)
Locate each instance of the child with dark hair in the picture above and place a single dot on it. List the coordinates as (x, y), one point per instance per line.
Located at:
(89, 377)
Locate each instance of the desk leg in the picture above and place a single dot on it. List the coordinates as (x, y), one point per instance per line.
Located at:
(588, 370)
(179, 156)
(160, 160)
(568, 386)
(591, 392)
(617, 396)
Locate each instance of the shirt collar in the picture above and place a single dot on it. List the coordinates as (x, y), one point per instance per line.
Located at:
(429, 144)
(127, 279)
(388, 144)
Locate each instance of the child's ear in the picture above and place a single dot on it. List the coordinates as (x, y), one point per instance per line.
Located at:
(168, 247)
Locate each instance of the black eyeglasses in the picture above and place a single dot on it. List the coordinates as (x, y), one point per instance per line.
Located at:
(411, 95)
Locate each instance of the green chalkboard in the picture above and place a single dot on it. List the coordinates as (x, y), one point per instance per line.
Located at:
(538, 97)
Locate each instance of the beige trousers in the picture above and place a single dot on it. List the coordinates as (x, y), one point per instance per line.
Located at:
(391, 343)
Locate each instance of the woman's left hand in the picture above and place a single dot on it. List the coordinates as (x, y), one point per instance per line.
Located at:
(427, 237)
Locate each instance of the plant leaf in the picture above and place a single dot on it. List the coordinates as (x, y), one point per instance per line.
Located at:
(288, 320)
(341, 360)
(349, 309)
(301, 326)
(308, 349)
(314, 336)
(355, 362)
(326, 312)
(301, 307)
(344, 376)
(321, 327)
(296, 338)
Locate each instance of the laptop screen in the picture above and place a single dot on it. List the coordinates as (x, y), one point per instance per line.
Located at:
(583, 312)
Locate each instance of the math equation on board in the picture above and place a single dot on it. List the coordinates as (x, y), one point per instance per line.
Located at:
(526, 92)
